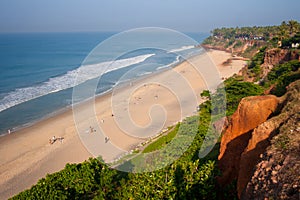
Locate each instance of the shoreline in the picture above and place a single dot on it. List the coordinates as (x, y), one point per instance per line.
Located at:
(28, 156)
(67, 107)
(70, 107)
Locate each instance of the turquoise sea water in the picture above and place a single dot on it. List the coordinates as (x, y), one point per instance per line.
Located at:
(38, 70)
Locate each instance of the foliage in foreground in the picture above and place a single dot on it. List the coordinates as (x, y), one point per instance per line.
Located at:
(75, 181)
(186, 178)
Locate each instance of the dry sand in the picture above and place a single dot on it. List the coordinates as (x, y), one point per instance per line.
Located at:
(27, 156)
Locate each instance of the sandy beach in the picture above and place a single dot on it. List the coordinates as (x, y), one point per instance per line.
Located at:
(27, 155)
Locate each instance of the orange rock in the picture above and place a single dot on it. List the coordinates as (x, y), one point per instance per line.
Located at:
(251, 112)
(277, 56)
(248, 179)
(251, 155)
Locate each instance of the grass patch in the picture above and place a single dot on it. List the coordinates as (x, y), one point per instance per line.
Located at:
(282, 141)
(162, 141)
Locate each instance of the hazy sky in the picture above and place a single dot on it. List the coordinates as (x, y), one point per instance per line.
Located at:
(120, 15)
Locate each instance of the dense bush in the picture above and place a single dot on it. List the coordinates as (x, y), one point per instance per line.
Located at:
(76, 181)
(256, 62)
(287, 43)
(281, 76)
(235, 90)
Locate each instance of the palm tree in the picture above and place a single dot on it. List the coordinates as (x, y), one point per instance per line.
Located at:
(282, 32)
(293, 27)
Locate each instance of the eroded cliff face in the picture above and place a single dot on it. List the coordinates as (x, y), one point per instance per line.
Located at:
(277, 174)
(272, 58)
(277, 56)
(251, 112)
(247, 137)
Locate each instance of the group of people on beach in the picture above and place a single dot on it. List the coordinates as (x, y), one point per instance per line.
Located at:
(53, 139)
(92, 130)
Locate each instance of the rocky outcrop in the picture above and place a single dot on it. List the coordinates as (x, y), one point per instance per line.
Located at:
(248, 136)
(277, 56)
(257, 145)
(251, 112)
(277, 173)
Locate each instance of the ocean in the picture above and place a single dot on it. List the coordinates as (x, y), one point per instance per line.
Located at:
(38, 69)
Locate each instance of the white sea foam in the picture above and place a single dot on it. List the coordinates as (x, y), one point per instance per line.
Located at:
(183, 48)
(171, 64)
(144, 73)
(68, 80)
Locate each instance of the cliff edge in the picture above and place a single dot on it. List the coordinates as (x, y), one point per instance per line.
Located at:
(257, 120)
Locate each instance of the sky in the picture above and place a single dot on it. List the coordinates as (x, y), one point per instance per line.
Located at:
(121, 15)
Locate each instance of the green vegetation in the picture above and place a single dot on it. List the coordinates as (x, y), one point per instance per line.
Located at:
(235, 90)
(162, 141)
(256, 62)
(238, 44)
(188, 177)
(76, 181)
(288, 42)
(281, 141)
(253, 38)
(281, 76)
(185, 135)
(205, 93)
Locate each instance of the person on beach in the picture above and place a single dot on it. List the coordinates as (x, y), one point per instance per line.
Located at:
(52, 140)
(8, 131)
(92, 130)
(61, 139)
(106, 139)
